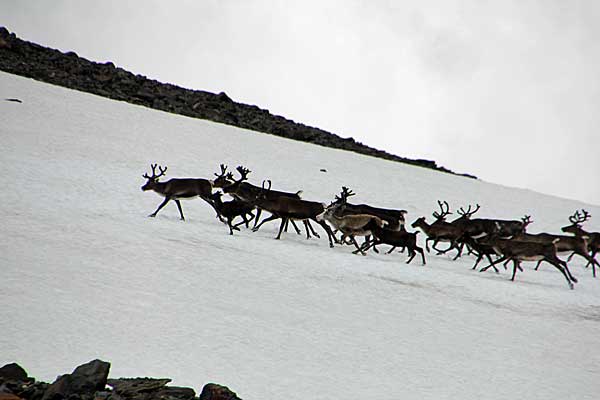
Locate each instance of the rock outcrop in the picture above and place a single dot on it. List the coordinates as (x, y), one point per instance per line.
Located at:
(90, 382)
(105, 79)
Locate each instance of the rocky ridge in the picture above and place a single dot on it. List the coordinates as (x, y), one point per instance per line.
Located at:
(90, 382)
(105, 79)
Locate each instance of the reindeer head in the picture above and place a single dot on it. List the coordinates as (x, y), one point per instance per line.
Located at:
(576, 220)
(233, 187)
(224, 178)
(468, 213)
(526, 220)
(216, 196)
(153, 180)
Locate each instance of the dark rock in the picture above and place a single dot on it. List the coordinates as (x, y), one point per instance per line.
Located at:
(174, 393)
(13, 372)
(223, 97)
(212, 391)
(32, 391)
(85, 380)
(128, 387)
(4, 44)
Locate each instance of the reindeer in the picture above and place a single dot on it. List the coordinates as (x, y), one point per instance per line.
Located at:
(289, 208)
(593, 238)
(232, 209)
(401, 238)
(394, 218)
(571, 244)
(480, 227)
(350, 225)
(177, 188)
(244, 191)
(518, 251)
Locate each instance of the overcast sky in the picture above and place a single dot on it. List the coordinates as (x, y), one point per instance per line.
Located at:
(506, 90)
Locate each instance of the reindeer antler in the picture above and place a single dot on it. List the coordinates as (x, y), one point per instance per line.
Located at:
(468, 213)
(263, 185)
(243, 172)
(154, 176)
(346, 192)
(526, 220)
(223, 171)
(577, 218)
(443, 213)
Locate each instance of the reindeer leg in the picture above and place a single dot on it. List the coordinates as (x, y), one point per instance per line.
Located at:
(452, 246)
(356, 245)
(564, 269)
(248, 220)
(479, 258)
(180, 210)
(515, 266)
(494, 263)
(594, 257)
(460, 250)
(538, 265)
(295, 227)
(365, 246)
(230, 226)
(328, 230)
(312, 230)
(164, 203)
(567, 271)
(458, 254)
(258, 212)
(411, 254)
(591, 260)
(391, 250)
(306, 229)
(283, 222)
(490, 260)
(427, 244)
(420, 250)
(271, 218)
(368, 240)
(309, 226)
(245, 220)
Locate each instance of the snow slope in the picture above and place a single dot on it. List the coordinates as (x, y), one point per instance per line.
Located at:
(86, 274)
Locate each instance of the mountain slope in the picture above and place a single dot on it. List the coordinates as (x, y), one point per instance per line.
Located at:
(31, 60)
(86, 274)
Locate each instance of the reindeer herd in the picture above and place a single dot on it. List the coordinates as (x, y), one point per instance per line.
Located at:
(499, 241)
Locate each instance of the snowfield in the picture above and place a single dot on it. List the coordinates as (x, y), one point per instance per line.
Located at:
(85, 273)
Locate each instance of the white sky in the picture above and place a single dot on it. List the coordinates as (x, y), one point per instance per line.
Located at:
(505, 90)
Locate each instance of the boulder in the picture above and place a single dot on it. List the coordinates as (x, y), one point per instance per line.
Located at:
(84, 380)
(212, 391)
(13, 372)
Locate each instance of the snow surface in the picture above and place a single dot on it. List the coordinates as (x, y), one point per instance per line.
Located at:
(85, 273)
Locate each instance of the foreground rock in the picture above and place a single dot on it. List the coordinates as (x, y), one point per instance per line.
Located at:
(105, 79)
(90, 382)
